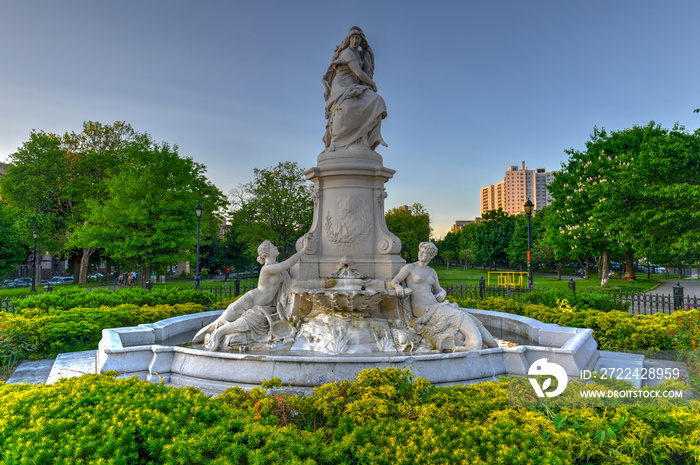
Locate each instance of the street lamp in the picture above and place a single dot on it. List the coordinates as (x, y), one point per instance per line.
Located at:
(528, 211)
(198, 210)
(35, 234)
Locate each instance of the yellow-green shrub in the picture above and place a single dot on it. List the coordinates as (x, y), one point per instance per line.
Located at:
(55, 331)
(613, 330)
(99, 419)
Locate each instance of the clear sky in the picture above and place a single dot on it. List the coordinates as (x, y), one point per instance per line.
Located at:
(471, 87)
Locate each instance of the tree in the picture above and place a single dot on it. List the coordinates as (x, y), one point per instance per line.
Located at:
(517, 248)
(93, 156)
(50, 178)
(35, 186)
(631, 191)
(492, 237)
(148, 216)
(448, 256)
(276, 206)
(411, 225)
(466, 256)
(12, 248)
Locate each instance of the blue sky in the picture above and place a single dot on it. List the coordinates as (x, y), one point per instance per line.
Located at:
(471, 87)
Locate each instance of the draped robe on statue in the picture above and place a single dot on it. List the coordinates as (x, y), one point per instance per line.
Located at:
(354, 111)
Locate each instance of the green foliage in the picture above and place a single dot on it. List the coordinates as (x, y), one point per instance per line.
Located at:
(12, 247)
(612, 330)
(35, 187)
(148, 215)
(75, 297)
(411, 225)
(491, 238)
(632, 189)
(56, 331)
(276, 206)
(99, 419)
(579, 300)
(13, 347)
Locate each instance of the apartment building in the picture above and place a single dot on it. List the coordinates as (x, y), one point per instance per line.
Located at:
(518, 185)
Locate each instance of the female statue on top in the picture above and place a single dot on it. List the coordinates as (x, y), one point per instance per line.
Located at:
(354, 110)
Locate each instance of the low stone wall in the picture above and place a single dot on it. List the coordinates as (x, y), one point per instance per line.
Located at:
(148, 352)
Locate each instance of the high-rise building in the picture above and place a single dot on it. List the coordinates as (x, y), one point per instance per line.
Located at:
(517, 187)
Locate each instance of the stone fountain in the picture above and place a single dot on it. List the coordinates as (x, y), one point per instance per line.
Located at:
(346, 301)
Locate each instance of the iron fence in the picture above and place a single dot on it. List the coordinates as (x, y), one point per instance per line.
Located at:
(228, 291)
(476, 291)
(640, 303)
(6, 305)
(649, 304)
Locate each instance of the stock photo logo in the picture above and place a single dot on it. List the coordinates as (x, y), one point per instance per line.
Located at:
(551, 369)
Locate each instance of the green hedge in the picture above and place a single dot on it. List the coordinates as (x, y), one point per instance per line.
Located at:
(613, 330)
(51, 332)
(580, 300)
(384, 417)
(68, 298)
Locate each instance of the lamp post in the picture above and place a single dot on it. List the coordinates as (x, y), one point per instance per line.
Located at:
(35, 234)
(528, 211)
(198, 210)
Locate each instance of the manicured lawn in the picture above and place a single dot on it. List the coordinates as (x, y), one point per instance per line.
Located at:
(471, 276)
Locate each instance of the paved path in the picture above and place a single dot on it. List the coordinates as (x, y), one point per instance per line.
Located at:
(690, 287)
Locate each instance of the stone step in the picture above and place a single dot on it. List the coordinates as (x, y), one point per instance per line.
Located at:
(32, 372)
(72, 364)
(48, 371)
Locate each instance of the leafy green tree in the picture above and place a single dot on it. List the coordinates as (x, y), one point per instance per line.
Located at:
(465, 236)
(466, 256)
(148, 216)
(51, 178)
(93, 156)
(492, 237)
(517, 248)
(411, 225)
(662, 208)
(448, 256)
(236, 254)
(276, 206)
(13, 250)
(631, 191)
(35, 186)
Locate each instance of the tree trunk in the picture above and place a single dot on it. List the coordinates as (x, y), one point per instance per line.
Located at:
(630, 274)
(84, 262)
(680, 270)
(144, 275)
(604, 268)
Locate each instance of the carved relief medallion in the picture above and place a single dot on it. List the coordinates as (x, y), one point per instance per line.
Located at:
(353, 221)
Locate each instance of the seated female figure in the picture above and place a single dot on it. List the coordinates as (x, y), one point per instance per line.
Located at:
(248, 318)
(446, 326)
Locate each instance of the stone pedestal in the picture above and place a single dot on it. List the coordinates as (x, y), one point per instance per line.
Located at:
(349, 217)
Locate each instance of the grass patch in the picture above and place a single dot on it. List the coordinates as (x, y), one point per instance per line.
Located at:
(471, 276)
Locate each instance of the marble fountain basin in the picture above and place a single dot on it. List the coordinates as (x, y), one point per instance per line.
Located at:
(150, 351)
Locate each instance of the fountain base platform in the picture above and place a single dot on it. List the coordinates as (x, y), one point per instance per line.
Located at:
(151, 352)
